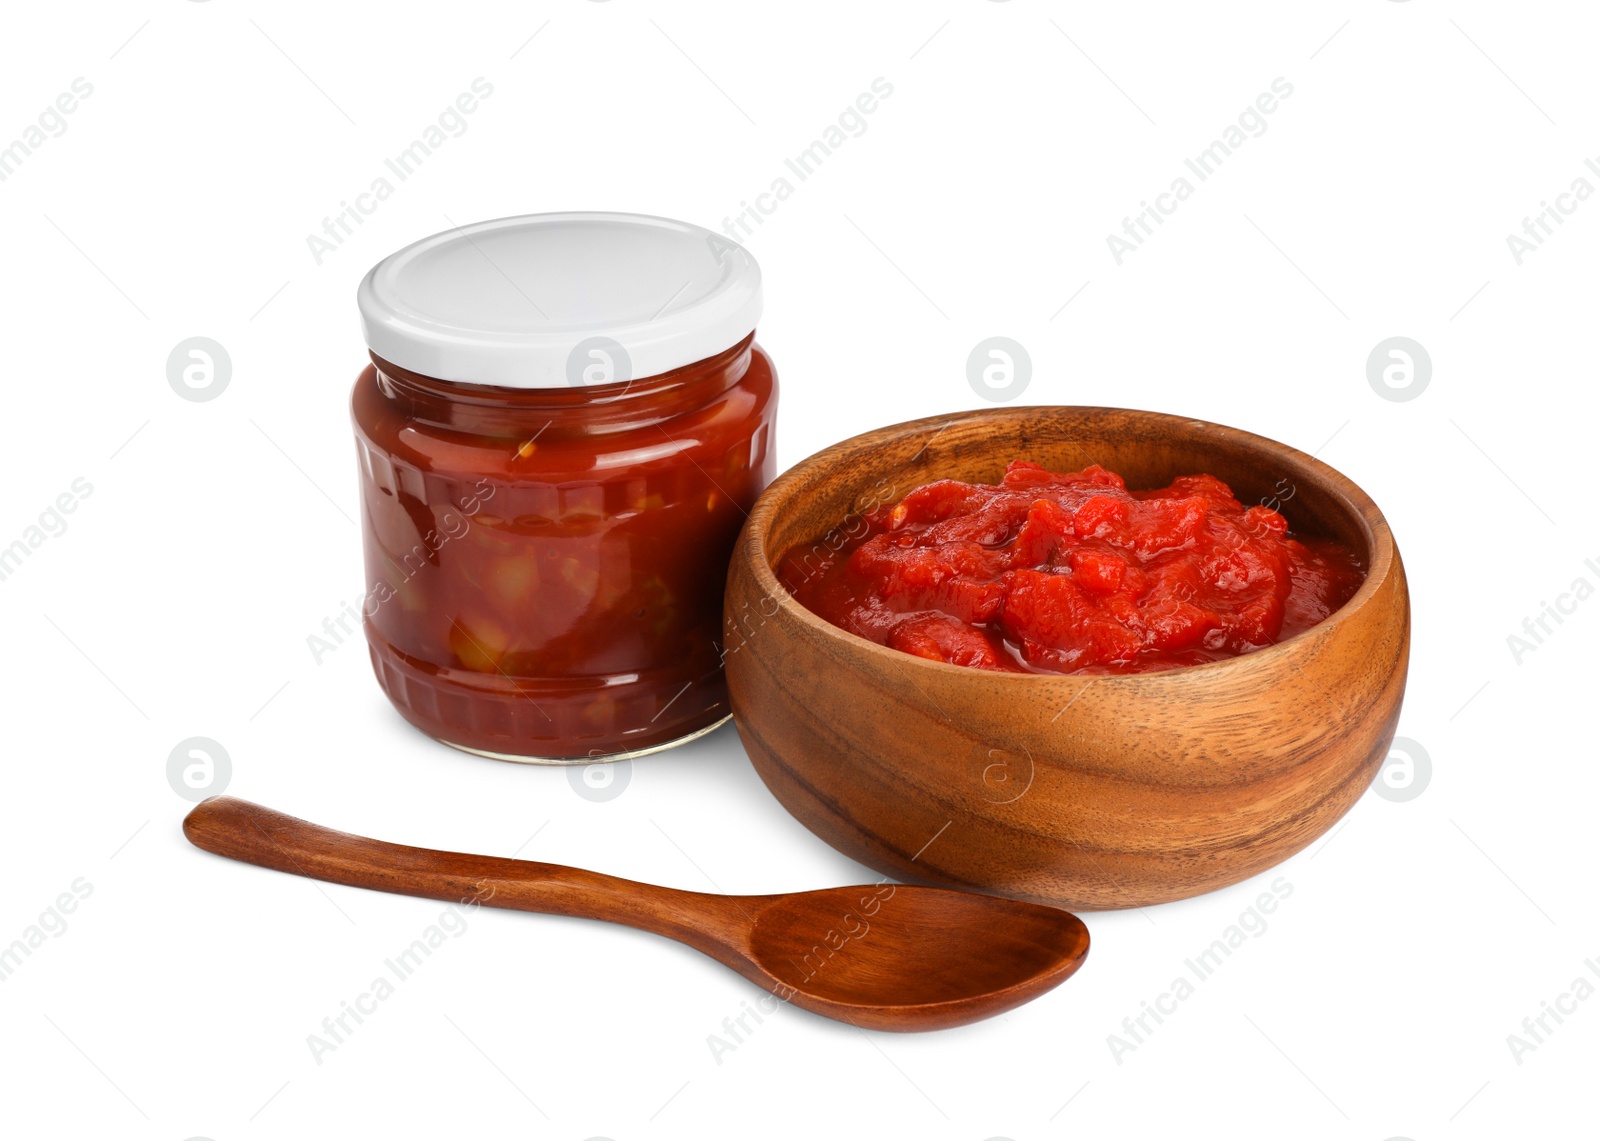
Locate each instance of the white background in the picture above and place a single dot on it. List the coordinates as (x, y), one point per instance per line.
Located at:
(218, 536)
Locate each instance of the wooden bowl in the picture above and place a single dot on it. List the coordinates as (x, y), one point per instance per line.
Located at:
(1083, 792)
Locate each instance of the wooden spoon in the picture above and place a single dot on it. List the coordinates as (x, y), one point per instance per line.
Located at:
(882, 957)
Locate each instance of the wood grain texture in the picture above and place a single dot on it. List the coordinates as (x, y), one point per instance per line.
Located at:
(881, 957)
(1081, 792)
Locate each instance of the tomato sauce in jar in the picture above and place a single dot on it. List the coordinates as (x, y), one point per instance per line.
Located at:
(1074, 573)
(564, 424)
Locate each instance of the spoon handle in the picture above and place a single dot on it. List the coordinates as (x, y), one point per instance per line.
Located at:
(240, 830)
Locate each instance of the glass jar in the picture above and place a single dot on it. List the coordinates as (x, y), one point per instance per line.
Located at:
(564, 424)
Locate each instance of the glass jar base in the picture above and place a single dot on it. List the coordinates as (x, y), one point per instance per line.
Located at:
(597, 760)
(550, 721)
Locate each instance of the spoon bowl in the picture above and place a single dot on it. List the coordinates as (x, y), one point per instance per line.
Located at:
(938, 957)
(881, 957)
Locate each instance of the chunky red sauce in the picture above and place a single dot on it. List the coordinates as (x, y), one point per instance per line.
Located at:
(1074, 573)
(545, 566)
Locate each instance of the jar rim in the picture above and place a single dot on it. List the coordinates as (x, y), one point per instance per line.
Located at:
(568, 299)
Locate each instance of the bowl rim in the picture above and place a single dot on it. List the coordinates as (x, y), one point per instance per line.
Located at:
(1374, 527)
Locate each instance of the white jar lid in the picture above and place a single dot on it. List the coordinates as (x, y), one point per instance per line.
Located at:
(548, 300)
